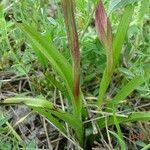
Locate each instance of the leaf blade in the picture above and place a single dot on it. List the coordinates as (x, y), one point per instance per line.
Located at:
(104, 31)
(46, 108)
(56, 59)
(121, 33)
(129, 87)
(68, 7)
(134, 116)
(118, 4)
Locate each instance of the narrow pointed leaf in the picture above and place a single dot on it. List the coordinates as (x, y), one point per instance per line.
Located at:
(43, 104)
(120, 140)
(143, 9)
(103, 87)
(104, 31)
(121, 34)
(134, 116)
(146, 147)
(56, 59)
(50, 118)
(46, 107)
(129, 87)
(36, 104)
(42, 59)
(68, 11)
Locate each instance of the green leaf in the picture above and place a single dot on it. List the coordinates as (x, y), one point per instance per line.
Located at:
(134, 116)
(143, 9)
(3, 119)
(117, 126)
(42, 59)
(117, 4)
(47, 109)
(117, 46)
(50, 118)
(56, 59)
(147, 147)
(129, 87)
(121, 33)
(121, 142)
(103, 87)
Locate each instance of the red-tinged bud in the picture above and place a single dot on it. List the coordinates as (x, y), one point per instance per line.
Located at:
(104, 31)
(103, 26)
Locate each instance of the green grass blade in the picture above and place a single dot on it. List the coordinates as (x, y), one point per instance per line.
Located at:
(147, 147)
(14, 132)
(73, 122)
(117, 126)
(121, 142)
(134, 116)
(121, 33)
(43, 106)
(129, 87)
(103, 87)
(52, 119)
(42, 59)
(3, 119)
(33, 102)
(143, 9)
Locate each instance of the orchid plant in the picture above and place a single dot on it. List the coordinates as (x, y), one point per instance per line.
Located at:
(70, 73)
